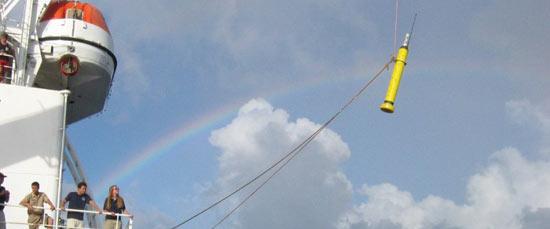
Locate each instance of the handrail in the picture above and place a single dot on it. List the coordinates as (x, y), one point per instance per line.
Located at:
(118, 215)
(6, 55)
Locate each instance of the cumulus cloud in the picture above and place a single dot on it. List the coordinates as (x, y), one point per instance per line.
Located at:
(537, 116)
(523, 111)
(311, 192)
(511, 192)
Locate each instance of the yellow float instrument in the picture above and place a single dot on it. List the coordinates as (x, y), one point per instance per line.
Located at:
(400, 62)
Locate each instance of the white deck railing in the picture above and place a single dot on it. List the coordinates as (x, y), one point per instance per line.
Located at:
(61, 224)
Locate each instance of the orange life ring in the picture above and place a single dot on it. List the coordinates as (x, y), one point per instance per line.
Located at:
(69, 65)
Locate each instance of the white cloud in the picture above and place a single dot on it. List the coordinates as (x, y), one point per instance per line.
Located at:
(511, 192)
(523, 111)
(537, 116)
(311, 192)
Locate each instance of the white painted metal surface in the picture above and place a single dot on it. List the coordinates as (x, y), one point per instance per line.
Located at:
(82, 30)
(30, 138)
(32, 119)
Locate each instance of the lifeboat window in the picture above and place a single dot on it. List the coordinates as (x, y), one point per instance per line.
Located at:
(74, 13)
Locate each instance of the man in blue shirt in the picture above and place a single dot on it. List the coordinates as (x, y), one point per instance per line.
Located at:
(78, 200)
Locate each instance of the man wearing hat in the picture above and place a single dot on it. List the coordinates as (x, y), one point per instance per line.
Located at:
(6, 56)
(4, 197)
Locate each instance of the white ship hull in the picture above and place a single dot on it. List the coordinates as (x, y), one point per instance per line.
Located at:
(31, 124)
(60, 46)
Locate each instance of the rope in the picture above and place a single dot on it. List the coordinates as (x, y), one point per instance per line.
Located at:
(240, 188)
(268, 179)
(295, 151)
(290, 154)
(299, 149)
(395, 27)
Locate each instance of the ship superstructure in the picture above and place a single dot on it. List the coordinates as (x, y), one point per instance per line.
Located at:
(60, 72)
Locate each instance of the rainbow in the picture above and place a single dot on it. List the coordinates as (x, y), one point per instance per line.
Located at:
(170, 139)
(206, 121)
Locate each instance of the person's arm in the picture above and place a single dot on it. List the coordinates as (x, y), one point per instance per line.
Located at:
(63, 202)
(94, 205)
(105, 210)
(6, 51)
(128, 213)
(7, 195)
(105, 205)
(12, 52)
(52, 207)
(26, 202)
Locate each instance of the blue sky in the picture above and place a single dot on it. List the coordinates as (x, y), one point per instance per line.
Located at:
(472, 110)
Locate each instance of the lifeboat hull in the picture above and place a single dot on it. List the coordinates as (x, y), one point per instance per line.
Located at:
(89, 41)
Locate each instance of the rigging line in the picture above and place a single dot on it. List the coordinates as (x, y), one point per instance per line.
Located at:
(386, 66)
(412, 26)
(259, 187)
(298, 149)
(306, 142)
(240, 188)
(395, 27)
(244, 185)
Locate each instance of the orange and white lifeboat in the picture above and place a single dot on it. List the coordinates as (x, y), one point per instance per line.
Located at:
(77, 52)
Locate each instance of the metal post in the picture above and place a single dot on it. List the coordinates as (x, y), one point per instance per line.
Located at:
(130, 223)
(65, 94)
(7, 8)
(24, 43)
